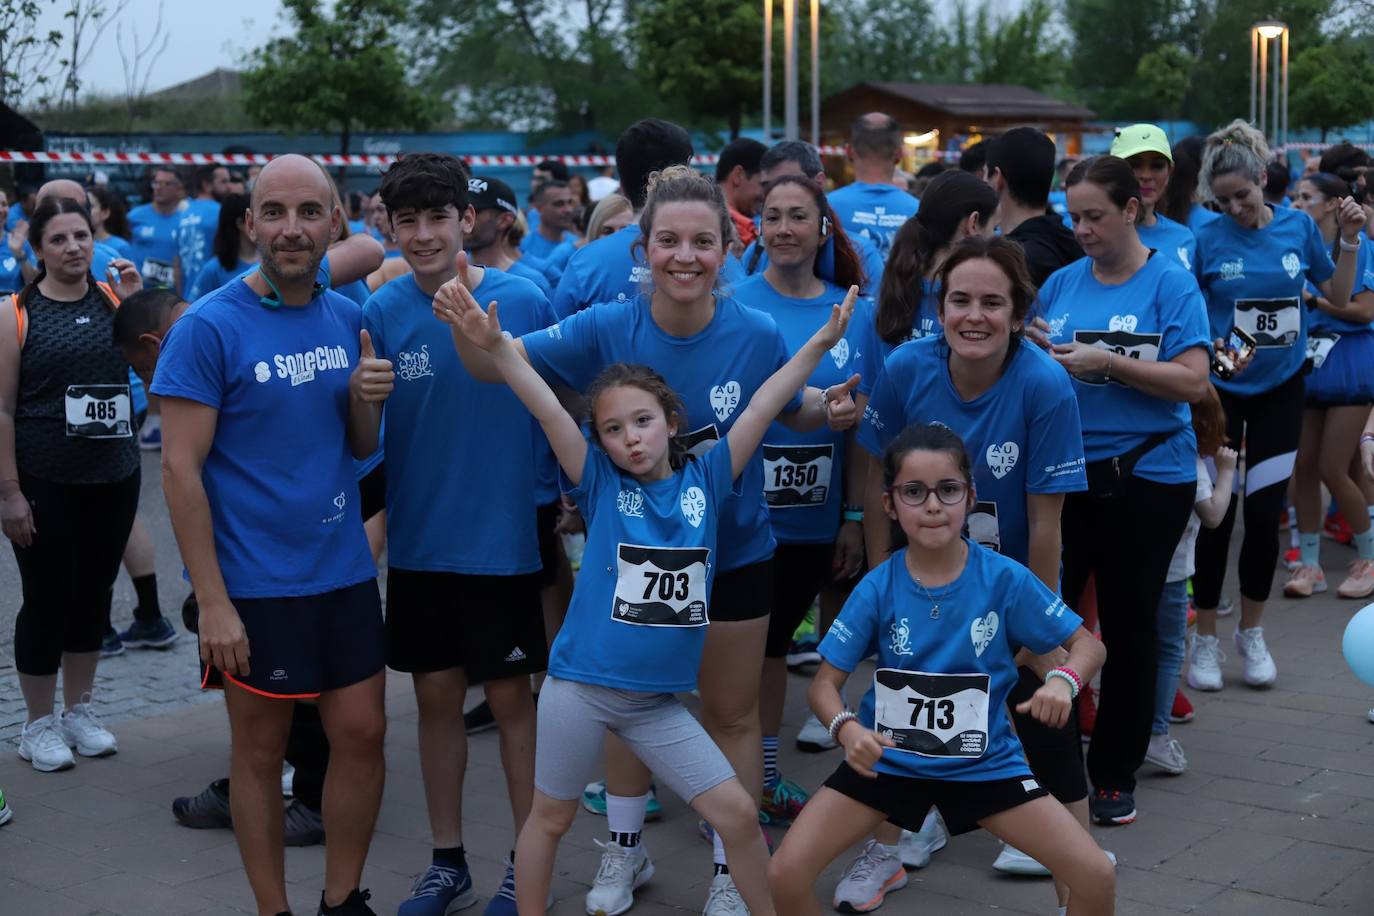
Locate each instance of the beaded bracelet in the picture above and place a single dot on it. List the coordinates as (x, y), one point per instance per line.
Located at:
(838, 722)
(1068, 676)
(1366, 438)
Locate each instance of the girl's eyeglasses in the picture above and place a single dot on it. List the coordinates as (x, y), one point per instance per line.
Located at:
(914, 492)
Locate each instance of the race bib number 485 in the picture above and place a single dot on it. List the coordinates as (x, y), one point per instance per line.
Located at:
(661, 586)
(98, 412)
(933, 715)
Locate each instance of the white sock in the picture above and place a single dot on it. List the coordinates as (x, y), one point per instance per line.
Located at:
(625, 813)
(717, 849)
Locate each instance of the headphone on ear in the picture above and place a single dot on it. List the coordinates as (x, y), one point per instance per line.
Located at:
(273, 300)
(825, 226)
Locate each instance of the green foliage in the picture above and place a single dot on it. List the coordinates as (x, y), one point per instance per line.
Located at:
(337, 73)
(26, 52)
(1332, 86)
(1020, 49)
(115, 114)
(881, 41)
(706, 53)
(1162, 79)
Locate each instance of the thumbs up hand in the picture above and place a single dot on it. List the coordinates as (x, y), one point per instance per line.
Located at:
(372, 379)
(841, 412)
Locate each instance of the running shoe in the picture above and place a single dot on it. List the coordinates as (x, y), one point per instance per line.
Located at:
(479, 719)
(84, 733)
(153, 634)
(5, 812)
(594, 801)
(1257, 665)
(803, 653)
(439, 891)
(1012, 861)
(916, 848)
(302, 825)
(1226, 606)
(110, 645)
(503, 904)
(208, 810)
(813, 738)
(1182, 710)
(723, 899)
(1305, 581)
(622, 871)
(288, 779)
(1167, 754)
(868, 880)
(1371, 715)
(1360, 582)
(354, 905)
(1292, 559)
(1337, 528)
(150, 436)
(1087, 713)
(1112, 808)
(782, 803)
(1204, 663)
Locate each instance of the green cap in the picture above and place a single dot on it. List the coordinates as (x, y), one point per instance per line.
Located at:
(1141, 138)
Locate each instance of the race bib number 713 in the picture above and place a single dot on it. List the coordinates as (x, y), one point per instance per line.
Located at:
(933, 715)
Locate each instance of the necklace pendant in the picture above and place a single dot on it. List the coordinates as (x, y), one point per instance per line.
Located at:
(935, 612)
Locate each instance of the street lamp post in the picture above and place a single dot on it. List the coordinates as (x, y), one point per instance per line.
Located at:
(1262, 35)
(790, 102)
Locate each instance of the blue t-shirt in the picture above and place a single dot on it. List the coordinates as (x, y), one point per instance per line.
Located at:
(941, 686)
(1364, 282)
(552, 257)
(1155, 315)
(803, 473)
(195, 238)
(736, 270)
(11, 274)
(873, 349)
(606, 270)
(1173, 240)
(1023, 434)
(715, 372)
(641, 605)
(119, 245)
(279, 475)
(213, 275)
(14, 214)
(873, 211)
(534, 275)
(357, 291)
(459, 452)
(1199, 216)
(1253, 279)
(153, 243)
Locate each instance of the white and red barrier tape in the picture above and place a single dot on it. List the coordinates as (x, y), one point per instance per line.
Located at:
(329, 159)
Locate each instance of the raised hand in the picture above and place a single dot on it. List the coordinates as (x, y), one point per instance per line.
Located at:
(1350, 217)
(127, 280)
(834, 329)
(840, 410)
(1051, 704)
(461, 312)
(372, 379)
(17, 237)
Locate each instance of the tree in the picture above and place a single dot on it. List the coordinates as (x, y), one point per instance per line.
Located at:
(1162, 79)
(705, 53)
(1111, 37)
(139, 59)
(336, 73)
(1019, 49)
(1332, 86)
(25, 51)
(86, 22)
(881, 40)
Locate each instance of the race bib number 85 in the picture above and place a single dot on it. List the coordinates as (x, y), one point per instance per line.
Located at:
(661, 586)
(98, 412)
(933, 715)
(1272, 322)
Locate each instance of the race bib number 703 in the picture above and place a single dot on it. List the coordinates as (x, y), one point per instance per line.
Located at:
(661, 586)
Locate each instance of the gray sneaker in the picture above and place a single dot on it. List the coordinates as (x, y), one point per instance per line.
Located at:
(302, 825)
(868, 880)
(1167, 754)
(724, 899)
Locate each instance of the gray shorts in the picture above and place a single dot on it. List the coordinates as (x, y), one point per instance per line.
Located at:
(574, 719)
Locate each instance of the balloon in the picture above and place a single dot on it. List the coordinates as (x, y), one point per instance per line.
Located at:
(1358, 644)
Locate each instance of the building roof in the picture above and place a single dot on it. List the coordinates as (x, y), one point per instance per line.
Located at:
(976, 100)
(217, 83)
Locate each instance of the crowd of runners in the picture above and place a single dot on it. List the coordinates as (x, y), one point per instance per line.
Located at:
(988, 427)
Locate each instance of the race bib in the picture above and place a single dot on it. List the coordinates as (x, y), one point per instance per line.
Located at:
(700, 441)
(157, 273)
(1272, 322)
(1319, 345)
(99, 412)
(796, 475)
(661, 586)
(1127, 344)
(982, 525)
(933, 715)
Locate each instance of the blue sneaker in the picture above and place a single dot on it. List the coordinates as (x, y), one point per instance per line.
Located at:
(157, 634)
(439, 891)
(503, 904)
(150, 436)
(594, 801)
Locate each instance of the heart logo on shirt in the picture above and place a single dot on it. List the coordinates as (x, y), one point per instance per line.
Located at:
(1002, 458)
(982, 631)
(724, 399)
(1183, 257)
(1292, 263)
(1125, 323)
(840, 353)
(693, 506)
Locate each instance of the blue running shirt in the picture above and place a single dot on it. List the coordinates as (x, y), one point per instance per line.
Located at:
(610, 269)
(873, 211)
(1173, 240)
(195, 238)
(873, 350)
(153, 243)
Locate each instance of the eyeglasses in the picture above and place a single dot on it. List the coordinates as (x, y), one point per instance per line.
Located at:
(914, 492)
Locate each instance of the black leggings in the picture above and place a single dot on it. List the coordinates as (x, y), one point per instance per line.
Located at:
(1269, 424)
(1126, 541)
(1055, 755)
(69, 570)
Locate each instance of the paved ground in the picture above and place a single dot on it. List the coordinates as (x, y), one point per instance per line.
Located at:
(1274, 818)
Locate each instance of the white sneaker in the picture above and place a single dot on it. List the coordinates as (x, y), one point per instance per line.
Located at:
(1013, 861)
(84, 733)
(622, 871)
(1226, 606)
(869, 878)
(288, 780)
(724, 899)
(915, 849)
(1204, 663)
(41, 745)
(1167, 754)
(814, 737)
(1257, 665)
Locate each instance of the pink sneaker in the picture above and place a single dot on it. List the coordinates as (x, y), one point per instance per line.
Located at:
(1306, 581)
(1360, 582)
